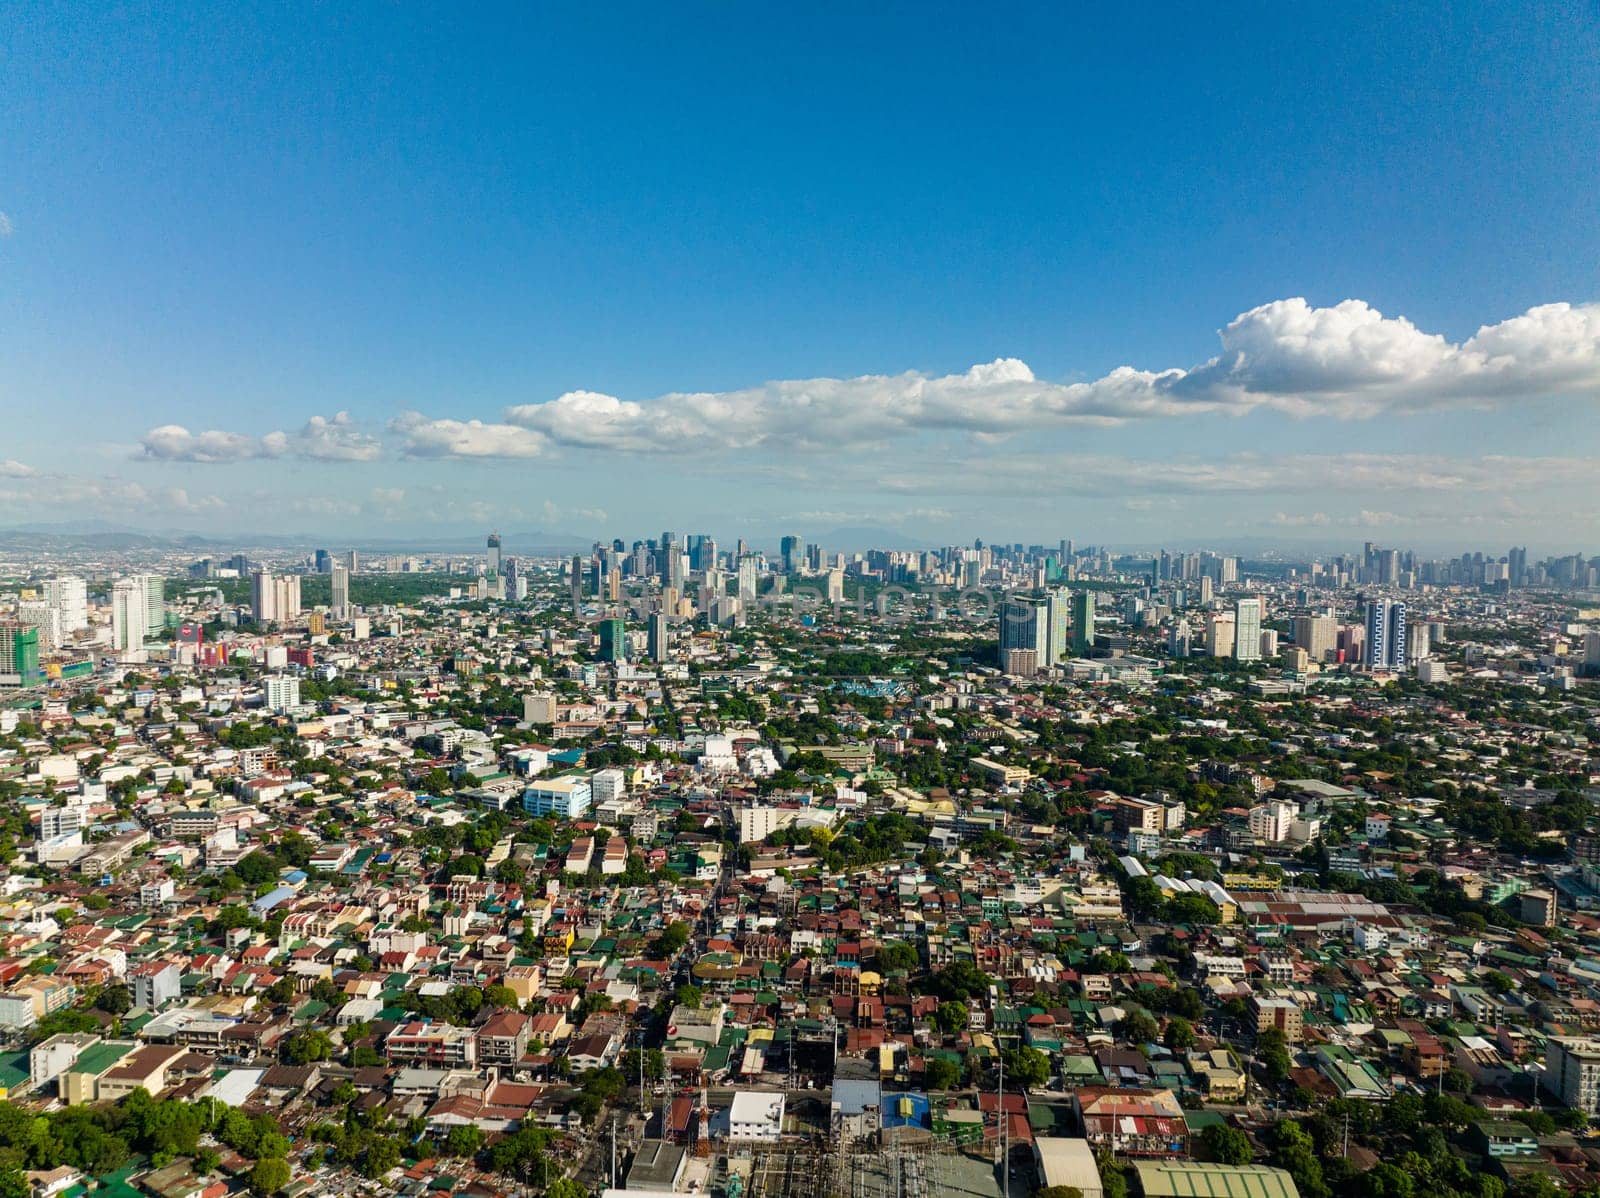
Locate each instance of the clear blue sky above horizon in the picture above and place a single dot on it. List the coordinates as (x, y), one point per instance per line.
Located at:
(602, 233)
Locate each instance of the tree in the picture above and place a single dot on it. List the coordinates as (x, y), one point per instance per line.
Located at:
(464, 1141)
(115, 1000)
(565, 1187)
(1058, 1192)
(1139, 1027)
(269, 1175)
(1027, 1067)
(382, 1155)
(1225, 1145)
(1272, 1046)
(1179, 1036)
(503, 997)
(307, 1046)
(674, 938)
(940, 1074)
(895, 956)
(952, 1017)
(687, 996)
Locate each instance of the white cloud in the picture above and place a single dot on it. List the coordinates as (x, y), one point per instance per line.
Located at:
(6, 227)
(1345, 473)
(322, 439)
(551, 513)
(425, 438)
(1346, 361)
(111, 497)
(11, 468)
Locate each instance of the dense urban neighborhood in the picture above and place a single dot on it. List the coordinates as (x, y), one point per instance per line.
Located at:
(996, 870)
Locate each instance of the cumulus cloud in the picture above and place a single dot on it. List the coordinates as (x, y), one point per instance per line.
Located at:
(323, 439)
(6, 227)
(1345, 361)
(425, 438)
(11, 468)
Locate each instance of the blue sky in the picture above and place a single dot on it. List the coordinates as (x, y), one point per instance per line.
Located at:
(732, 265)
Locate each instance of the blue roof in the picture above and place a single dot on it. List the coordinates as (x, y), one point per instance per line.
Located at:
(853, 1096)
(272, 898)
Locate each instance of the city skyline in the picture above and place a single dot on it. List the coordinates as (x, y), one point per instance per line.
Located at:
(1337, 296)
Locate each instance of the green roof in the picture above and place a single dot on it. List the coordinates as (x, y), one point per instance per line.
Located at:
(97, 1058)
(14, 1069)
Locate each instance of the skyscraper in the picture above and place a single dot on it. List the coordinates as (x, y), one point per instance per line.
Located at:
(790, 549)
(1517, 563)
(613, 640)
(493, 562)
(1317, 635)
(659, 636)
(19, 653)
(1082, 622)
(1386, 636)
(155, 604)
(263, 597)
(324, 561)
(1247, 630)
(128, 620)
(70, 595)
(1025, 625)
(339, 593)
(1058, 603)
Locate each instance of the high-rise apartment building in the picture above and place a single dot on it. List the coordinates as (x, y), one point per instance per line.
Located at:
(263, 598)
(69, 595)
(1082, 622)
(155, 604)
(613, 640)
(128, 619)
(1220, 636)
(1247, 630)
(1317, 635)
(274, 598)
(1024, 624)
(659, 636)
(339, 594)
(1386, 636)
(19, 653)
(1572, 1072)
(283, 692)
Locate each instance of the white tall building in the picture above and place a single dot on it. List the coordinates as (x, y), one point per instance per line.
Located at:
(70, 596)
(1572, 1072)
(263, 598)
(1219, 634)
(128, 618)
(1247, 630)
(47, 618)
(340, 604)
(283, 692)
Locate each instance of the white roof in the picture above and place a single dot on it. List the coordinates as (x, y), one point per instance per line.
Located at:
(750, 1106)
(235, 1086)
(1067, 1161)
